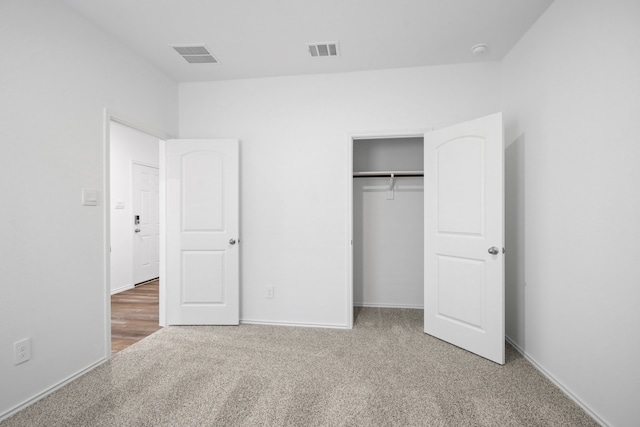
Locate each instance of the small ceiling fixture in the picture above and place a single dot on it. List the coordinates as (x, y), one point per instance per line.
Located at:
(323, 49)
(195, 53)
(479, 49)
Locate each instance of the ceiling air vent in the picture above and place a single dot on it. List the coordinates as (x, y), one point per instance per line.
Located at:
(195, 54)
(323, 49)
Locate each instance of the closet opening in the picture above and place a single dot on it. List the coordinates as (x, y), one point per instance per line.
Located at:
(387, 218)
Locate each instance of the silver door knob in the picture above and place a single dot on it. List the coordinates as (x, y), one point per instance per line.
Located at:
(493, 250)
(232, 241)
(137, 230)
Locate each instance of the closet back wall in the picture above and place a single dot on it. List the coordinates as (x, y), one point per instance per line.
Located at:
(388, 226)
(294, 151)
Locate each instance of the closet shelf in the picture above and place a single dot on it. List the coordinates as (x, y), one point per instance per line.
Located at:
(386, 174)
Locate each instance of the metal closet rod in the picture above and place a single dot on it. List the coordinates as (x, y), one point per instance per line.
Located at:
(386, 174)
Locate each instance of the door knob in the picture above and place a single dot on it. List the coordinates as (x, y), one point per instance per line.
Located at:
(137, 230)
(493, 250)
(232, 241)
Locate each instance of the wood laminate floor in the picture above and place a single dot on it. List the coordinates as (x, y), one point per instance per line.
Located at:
(134, 315)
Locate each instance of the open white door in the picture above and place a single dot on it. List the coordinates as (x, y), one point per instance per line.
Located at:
(464, 235)
(202, 224)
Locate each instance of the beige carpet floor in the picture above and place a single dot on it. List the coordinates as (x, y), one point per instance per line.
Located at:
(384, 372)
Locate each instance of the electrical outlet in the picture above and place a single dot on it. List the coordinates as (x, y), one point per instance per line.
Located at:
(22, 351)
(270, 292)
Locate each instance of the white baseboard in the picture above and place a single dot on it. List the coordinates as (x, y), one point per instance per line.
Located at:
(377, 305)
(558, 384)
(50, 390)
(303, 325)
(121, 289)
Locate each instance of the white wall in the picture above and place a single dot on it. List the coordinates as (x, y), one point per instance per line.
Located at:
(294, 156)
(57, 74)
(571, 97)
(128, 145)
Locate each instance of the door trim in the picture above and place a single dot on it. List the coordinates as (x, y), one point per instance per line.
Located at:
(353, 136)
(113, 116)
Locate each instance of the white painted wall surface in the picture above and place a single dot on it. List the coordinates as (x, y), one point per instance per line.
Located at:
(571, 98)
(57, 74)
(294, 140)
(128, 145)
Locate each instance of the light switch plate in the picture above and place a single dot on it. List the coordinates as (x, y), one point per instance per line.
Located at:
(89, 197)
(120, 204)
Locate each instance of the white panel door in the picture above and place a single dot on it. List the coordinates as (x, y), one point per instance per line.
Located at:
(146, 223)
(464, 235)
(202, 225)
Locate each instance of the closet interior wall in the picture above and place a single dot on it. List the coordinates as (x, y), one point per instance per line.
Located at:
(388, 223)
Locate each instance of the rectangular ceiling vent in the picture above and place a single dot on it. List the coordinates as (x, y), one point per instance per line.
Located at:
(195, 54)
(323, 49)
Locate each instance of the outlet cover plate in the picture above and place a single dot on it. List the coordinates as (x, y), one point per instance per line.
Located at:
(22, 351)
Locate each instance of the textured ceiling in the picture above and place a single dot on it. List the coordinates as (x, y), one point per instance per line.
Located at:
(254, 38)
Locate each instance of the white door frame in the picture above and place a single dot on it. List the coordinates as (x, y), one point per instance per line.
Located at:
(112, 116)
(349, 243)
